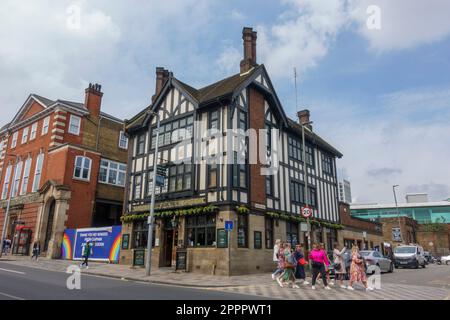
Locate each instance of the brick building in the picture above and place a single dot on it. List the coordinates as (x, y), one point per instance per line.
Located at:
(365, 234)
(63, 164)
(199, 196)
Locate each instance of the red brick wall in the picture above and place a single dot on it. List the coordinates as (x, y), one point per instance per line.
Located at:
(34, 108)
(348, 220)
(257, 122)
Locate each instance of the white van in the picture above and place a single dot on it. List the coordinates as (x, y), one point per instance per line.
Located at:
(409, 256)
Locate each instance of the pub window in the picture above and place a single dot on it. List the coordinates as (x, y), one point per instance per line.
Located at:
(137, 186)
(297, 191)
(242, 120)
(312, 195)
(327, 164)
(214, 119)
(239, 172)
(269, 232)
(292, 233)
(309, 156)
(173, 132)
(180, 177)
(141, 144)
(242, 231)
(212, 175)
(269, 185)
(295, 149)
(201, 230)
(140, 235)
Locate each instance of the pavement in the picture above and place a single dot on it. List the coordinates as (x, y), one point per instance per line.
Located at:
(432, 283)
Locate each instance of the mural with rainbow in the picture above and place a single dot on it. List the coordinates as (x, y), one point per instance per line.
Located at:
(106, 243)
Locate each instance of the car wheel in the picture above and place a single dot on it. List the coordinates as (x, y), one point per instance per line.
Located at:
(417, 265)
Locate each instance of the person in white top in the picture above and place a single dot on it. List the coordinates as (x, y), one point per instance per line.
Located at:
(276, 249)
(339, 265)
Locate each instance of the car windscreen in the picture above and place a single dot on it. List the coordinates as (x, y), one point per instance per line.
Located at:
(365, 253)
(405, 250)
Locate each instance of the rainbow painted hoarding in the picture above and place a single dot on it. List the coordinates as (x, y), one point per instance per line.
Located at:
(106, 242)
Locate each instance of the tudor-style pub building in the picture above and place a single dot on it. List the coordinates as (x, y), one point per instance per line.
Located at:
(199, 197)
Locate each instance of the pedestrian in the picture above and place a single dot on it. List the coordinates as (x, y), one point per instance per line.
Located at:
(289, 267)
(36, 250)
(281, 264)
(301, 262)
(339, 265)
(276, 249)
(318, 259)
(87, 251)
(357, 270)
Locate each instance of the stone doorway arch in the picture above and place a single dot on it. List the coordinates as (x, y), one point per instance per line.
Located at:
(52, 217)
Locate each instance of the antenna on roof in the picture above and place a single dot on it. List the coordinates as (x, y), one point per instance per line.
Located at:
(295, 81)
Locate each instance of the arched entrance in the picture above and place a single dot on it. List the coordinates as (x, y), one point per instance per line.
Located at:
(50, 218)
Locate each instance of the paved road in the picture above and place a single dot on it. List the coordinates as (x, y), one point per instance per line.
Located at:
(23, 283)
(432, 276)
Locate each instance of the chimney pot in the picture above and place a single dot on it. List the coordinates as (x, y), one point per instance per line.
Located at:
(303, 116)
(93, 99)
(249, 36)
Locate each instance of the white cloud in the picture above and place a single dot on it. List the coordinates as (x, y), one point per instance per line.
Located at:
(229, 60)
(387, 148)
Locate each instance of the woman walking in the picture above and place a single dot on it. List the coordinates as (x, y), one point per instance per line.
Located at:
(339, 265)
(289, 267)
(276, 249)
(318, 259)
(281, 264)
(357, 270)
(301, 262)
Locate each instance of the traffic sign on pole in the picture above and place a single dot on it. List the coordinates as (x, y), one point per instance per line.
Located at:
(307, 212)
(228, 225)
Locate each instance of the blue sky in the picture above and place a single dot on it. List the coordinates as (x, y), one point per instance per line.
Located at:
(380, 96)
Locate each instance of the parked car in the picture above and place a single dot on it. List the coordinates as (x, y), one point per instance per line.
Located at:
(374, 259)
(445, 259)
(409, 256)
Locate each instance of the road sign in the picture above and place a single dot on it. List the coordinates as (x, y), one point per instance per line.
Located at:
(160, 180)
(364, 234)
(228, 225)
(306, 212)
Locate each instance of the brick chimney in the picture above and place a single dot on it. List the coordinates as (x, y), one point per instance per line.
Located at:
(162, 75)
(303, 117)
(93, 99)
(249, 36)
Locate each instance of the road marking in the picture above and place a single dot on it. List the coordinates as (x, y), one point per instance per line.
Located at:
(11, 296)
(13, 271)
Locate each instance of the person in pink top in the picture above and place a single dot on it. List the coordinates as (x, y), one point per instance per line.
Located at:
(318, 260)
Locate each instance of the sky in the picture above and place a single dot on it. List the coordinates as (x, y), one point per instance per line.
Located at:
(375, 74)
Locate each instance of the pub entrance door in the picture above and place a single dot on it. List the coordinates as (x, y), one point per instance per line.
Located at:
(168, 243)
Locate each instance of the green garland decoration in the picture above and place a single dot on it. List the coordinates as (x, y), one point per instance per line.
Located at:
(315, 222)
(242, 210)
(169, 213)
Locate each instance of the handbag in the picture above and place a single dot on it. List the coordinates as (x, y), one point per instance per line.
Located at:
(302, 261)
(337, 266)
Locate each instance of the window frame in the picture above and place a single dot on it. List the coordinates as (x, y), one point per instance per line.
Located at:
(33, 132)
(195, 228)
(211, 168)
(245, 229)
(82, 168)
(17, 178)
(268, 232)
(289, 232)
(26, 177)
(270, 180)
(7, 182)
(140, 142)
(327, 164)
(25, 133)
(72, 118)
(179, 174)
(300, 191)
(45, 126)
(139, 175)
(123, 138)
(15, 138)
(108, 172)
(38, 172)
(215, 119)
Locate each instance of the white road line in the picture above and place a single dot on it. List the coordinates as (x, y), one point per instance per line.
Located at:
(13, 271)
(11, 296)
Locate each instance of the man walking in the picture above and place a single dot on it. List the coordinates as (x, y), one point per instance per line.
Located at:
(87, 251)
(36, 250)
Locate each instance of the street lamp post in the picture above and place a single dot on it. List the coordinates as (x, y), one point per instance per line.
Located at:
(398, 212)
(8, 205)
(305, 167)
(148, 265)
